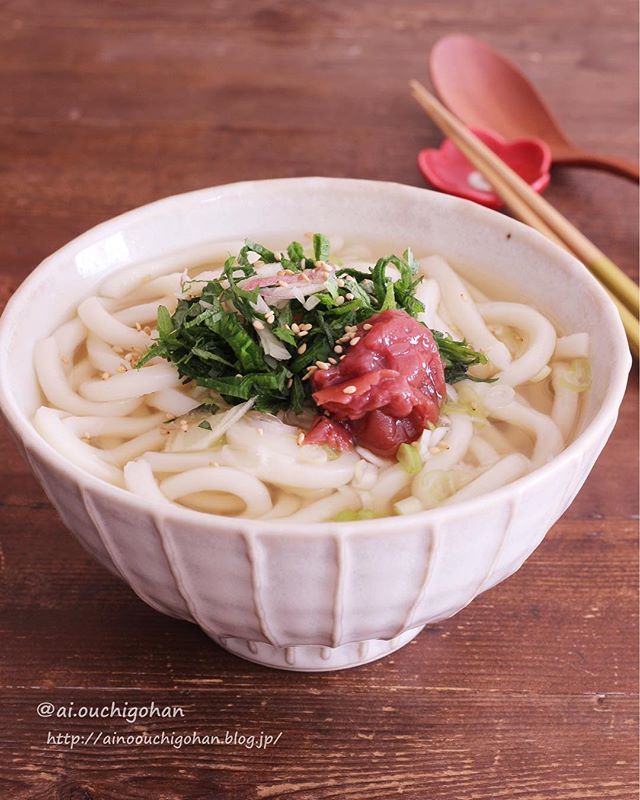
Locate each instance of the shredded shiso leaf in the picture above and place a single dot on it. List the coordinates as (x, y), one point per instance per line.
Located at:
(457, 357)
(244, 343)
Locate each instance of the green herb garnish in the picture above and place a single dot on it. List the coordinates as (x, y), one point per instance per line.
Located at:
(408, 456)
(457, 357)
(229, 340)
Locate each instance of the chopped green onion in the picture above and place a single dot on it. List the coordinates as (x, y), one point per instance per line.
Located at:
(332, 455)
(468, 403)
(409, 459)
(411, 505)
(352, 516)
(433, 487)
(577, 377)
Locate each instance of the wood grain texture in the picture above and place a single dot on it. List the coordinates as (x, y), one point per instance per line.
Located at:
(530, 693)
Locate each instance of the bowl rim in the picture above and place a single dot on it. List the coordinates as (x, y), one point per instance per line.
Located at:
(594, 432)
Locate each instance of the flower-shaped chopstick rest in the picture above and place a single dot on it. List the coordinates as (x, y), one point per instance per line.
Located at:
(447, 168)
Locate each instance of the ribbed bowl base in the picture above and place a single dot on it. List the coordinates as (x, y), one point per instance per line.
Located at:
(314, 658)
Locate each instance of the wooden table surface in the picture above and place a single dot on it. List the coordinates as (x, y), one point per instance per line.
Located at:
(528, 694)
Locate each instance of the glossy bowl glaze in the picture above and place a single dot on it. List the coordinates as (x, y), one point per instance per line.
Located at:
(325, 595)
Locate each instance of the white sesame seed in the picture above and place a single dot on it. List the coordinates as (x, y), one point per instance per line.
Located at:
(349, 390)
(340, 283)
(337, 348)
(339, 300)
(295, 327)
(332, 360)
(303, 333)
(260, 431)
(300, 439)
(322, 365)
(303, 263)
(355, 340)
(367, 326)
(138, 326)
(302, 348)
(278, 255)
(122, 368)
(105, 376)
(349, 296)
(258, 325)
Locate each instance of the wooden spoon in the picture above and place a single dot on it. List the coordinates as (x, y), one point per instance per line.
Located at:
(486, 91)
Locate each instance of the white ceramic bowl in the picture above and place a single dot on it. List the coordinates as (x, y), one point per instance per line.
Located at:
(325, 595)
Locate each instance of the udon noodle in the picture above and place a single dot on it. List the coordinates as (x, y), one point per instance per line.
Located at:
(134, 427)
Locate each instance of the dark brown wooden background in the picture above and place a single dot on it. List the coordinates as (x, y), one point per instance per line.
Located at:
(528, 694)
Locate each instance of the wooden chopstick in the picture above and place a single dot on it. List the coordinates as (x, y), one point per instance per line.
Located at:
(537, 212)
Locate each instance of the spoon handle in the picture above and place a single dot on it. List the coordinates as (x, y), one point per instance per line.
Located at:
(619, 166)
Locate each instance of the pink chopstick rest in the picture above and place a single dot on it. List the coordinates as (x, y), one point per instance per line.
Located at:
(447, 169)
